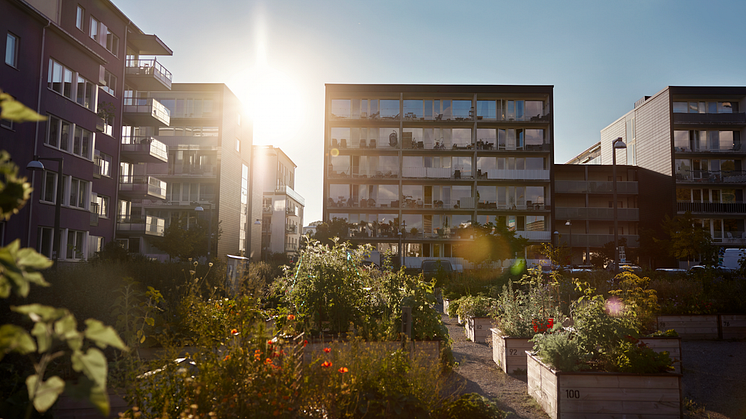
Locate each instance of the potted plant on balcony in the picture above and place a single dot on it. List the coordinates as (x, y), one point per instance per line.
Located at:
(599, 366)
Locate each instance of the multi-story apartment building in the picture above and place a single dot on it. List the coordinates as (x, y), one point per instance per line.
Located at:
(70, 61)
(425, 160)
(692, 136)
(281, 206)
(209, 144)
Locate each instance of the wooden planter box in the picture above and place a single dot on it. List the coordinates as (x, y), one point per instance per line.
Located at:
(477, 329)
(601, 395)
(509, 353)
(705, 326)
(733, 326)
(672, 345)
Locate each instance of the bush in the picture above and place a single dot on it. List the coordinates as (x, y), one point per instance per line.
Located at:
(560, 350)
(472, 406)
(475, 306)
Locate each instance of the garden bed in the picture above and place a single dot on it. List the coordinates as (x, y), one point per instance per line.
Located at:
(509, 353)
(477, 329)
(670, 344)
(600, 395)
(705, 326)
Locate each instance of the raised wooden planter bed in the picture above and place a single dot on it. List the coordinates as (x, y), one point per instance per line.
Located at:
(672, 345)
(478, 329)
(600, 395)
(733, 326)
(705, 326)
(509, 353)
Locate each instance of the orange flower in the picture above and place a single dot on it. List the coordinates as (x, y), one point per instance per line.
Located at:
(234, 332)
(268, 361)
(326, 364)
(269, 342)
(291, 317)
(327, 350)
(343, 370)
(227, 357)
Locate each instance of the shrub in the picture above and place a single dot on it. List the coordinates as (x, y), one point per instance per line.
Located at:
(520, 313)
(475, 306)
(472, 406)
(560, 350)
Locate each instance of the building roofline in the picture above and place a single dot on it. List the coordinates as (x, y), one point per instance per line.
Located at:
(587, 150)
(443, 88)
(271, 147)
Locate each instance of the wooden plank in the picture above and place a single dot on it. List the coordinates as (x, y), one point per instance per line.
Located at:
(610, 380)
(616, 394)
(619, 407)
(567, 415)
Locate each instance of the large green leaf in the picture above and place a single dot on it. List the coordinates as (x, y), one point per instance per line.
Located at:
(46, 393)
(92, 364)
(16, 111)
(18, 269)
(103, 335)
(66, 327)
(15, 338)
(43, 334)
(38, 312)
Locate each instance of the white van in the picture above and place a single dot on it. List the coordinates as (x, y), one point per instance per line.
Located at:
(732, 258)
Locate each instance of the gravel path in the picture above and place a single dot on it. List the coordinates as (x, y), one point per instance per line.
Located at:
(714, 377)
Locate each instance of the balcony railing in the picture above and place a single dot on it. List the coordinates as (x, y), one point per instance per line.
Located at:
(598, 240)
(415, 144)
(149, 67)
(438, 117)
(291, 229)
(146, 112)
(513, 174)
(544, 236)
(143, 185)
(195, 170)
(712, 207)
(711, 176)
(594, 187)
(145, 146)
(149, 225)
(580, 213)
(737, 118)
(287, 190)
(728, 149)
(731, 237)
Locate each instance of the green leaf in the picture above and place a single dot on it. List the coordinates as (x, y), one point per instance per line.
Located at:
(16, 111)
(43, 336)
(66, 328)
(92, 364)
(15, 338)
(38, 312)
(46, 393)
(100, 399)
(103, 335)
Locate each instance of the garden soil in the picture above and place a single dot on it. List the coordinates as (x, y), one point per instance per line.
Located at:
(714, 381)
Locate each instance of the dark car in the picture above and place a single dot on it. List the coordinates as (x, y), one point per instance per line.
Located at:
(433, 268)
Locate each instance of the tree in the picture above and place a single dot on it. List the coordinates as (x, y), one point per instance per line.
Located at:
(490, 243)
(326, 231)
(183, 243)
(685, 239)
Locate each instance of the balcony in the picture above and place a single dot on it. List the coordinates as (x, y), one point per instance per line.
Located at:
(147, 74)
(146, 112)
(495, 174)
(194, 171)
(711, 207)
(144, 150)
(287, 190)
(726, 119)
(607, 214)
(594, 187)
(731, 237)
(142, 186)
(598, 240)
(136, 225)
(542, 236)
(734, 148)
(711, 176)
(291, 229)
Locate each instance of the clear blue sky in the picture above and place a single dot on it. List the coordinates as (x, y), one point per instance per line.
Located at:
(601, 56)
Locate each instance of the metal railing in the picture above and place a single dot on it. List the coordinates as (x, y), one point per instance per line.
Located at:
(582, 213)
(149, 224)
(712, 207)
(597, 187)
(711, 176)
(145, 143)
(143, 184)
(149, 66)
(148, 106)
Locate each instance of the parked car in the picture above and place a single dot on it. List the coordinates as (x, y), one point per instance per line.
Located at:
(671, 272)
(433, 267)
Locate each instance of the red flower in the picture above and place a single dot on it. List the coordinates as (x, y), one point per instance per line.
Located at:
(343, 370)
(326, 364)
(551, 322)
(536, 329)
(305, 342)
(291, 317)
(327, 350)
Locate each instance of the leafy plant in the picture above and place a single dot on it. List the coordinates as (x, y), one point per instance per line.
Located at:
(473, 406)
(523, 313)
(475, 306)
(560, 350)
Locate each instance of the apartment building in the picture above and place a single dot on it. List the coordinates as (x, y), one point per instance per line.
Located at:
(427, 160)
(208, 144)
(281, 221)
(73, 61)
(692, 136)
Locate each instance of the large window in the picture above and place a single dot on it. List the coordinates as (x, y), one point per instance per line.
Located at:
(45, 240)
(70, 138)
(11, 50)
(80, 18)
(85, 93)
(75, 244)
(110, 83)
(49, 187)
(78, 193)
(705, 107)
(103, 205)
(71, 85)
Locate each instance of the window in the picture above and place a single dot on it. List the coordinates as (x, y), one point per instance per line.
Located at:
(103, 205)
(110, 83)
(79, 18)
(78, 193)
(11, 50)
(71, 85)
(45, 235)
(238, 145)
(85, 93)
(103, 161)
(49, 187)
(112, 43)
(75, 244)
(70, 138)
(94, 30)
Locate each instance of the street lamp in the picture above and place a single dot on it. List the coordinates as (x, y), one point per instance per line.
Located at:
(569, 224)
(402, 260)
(209, 228)
(37, 165)
(616, 144)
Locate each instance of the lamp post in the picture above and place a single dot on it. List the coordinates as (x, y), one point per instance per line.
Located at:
(402, 258)
(209, 229)
(616, 144)
(569, 224)
(37, 165)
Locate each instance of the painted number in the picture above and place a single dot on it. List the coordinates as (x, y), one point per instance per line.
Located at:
(573, 394)
(514, 351)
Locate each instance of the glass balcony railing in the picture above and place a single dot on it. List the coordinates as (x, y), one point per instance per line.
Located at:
(711, 176)
(579, 213)
(143, 185)
(594, 187)
(149, 67)
(712, 207)
(145, 145)
(146, 111)
(149, 225)
(461, 203)
(720, 149)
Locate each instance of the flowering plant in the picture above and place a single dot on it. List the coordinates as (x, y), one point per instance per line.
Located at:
(523, 312)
